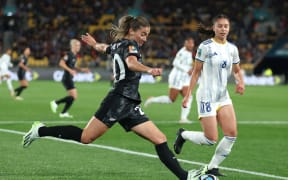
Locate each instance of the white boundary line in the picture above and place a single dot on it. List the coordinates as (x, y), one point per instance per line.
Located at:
(151, 155)
(156, 122)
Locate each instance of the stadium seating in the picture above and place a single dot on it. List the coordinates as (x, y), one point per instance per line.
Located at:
(48, 30)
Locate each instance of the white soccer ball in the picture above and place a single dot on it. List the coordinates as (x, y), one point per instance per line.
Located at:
(208, 177)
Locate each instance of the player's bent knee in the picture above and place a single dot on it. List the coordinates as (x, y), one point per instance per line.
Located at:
(86, 140)
(159, 139)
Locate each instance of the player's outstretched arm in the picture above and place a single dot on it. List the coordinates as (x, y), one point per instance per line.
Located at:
(134, 65)
(88, 39)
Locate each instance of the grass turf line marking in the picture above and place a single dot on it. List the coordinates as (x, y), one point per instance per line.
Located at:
(150, 155)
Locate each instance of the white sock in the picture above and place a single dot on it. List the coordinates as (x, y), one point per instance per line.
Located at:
(160, 99)
(9, 84)
(222, 151)
(197, 137)
(185, 111)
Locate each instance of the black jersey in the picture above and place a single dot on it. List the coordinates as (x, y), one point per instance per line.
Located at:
(70, 60)
(24, 60)
(126, 82)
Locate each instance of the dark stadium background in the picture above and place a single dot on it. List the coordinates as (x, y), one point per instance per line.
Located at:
(259, 29)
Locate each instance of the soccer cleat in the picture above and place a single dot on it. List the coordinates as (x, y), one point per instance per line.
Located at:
(179, 141)
(148, 102)
(65, 115)
(214, 171)
(30, 136)
(53, 106)
(195, 174)
(19, 98)
(191, 175)
(185, 121)
(12, 93)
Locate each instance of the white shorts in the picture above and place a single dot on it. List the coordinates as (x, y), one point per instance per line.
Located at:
(4, 72)
(207, 109)
(178, 79)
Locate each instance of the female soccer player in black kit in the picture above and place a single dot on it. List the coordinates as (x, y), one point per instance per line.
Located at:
(22, 69)
(68, 63)
(122, 104)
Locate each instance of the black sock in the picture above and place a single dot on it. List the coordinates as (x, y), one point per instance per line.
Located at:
(170, 161)
(19, 90)
(62, 132)
(68, 100)
(63, 100)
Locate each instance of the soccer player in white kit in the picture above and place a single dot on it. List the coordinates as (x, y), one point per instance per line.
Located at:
(215, 60)
(178, 80)
(5, 63)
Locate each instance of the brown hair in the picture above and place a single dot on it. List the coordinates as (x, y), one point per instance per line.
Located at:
(125, 23)
(208, 30)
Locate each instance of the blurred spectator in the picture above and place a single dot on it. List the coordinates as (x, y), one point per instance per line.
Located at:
(48, 25)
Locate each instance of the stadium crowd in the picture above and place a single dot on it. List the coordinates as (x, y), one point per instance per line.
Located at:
(47, 26)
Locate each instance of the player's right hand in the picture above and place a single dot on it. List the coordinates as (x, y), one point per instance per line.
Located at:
(185, 101)
(73, 72)
(155, 71)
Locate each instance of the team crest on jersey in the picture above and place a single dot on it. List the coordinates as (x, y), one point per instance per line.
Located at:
(132, 49)
(199, 52)
(65, 57)
(212, 54)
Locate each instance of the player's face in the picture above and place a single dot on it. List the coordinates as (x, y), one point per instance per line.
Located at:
(141, 35)
(27, 52)
(189, 44)
(221, 28)
(76, 47)
(9, 51)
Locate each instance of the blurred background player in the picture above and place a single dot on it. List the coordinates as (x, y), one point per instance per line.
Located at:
(216, 59)
(68, 64)
(22, 69)
(5, 63)
(179, 79)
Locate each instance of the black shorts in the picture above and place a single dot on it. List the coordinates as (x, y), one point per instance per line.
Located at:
(68, 83)
(21, 75)
(117, 108)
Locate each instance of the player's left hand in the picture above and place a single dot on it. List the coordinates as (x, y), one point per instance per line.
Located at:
(240, 88)
(87, 38)
(155, 71)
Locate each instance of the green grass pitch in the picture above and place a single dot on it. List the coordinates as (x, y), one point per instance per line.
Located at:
(260, 152)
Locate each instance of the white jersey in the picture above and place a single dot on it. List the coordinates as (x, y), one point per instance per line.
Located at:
(182, 63)
(217, 67)
(5, 63)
